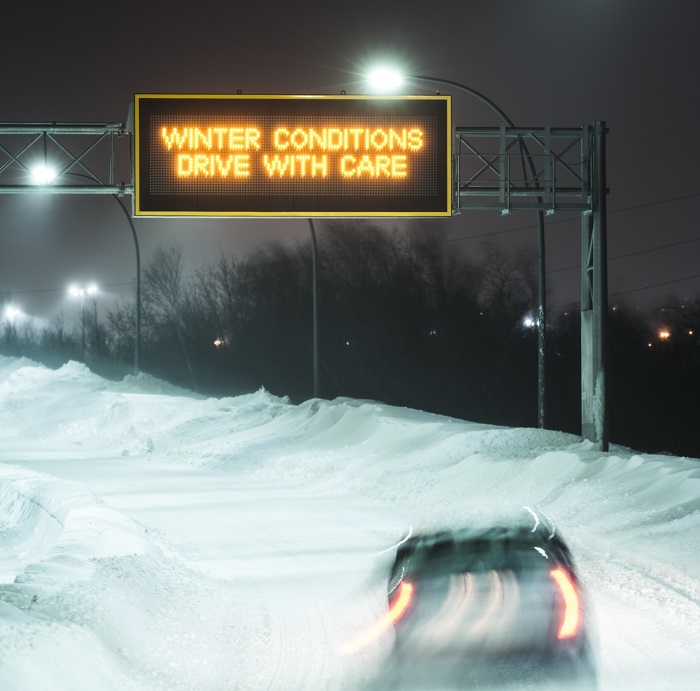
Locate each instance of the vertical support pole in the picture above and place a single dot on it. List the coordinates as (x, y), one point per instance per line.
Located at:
(548, 165)
(110, 174)
(594, 302)
(129, 129)
(82, 322)
(456, 197)
(137, 316)
(314, 274)
(503, 172)
(588, 430)
(541, 326)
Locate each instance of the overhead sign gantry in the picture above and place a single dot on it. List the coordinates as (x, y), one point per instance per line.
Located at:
(333, 156)
(307, 156)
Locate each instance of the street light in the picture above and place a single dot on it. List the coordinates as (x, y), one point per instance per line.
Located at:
(388, 79)
(12, 313)
(45, 175)
(77, 291)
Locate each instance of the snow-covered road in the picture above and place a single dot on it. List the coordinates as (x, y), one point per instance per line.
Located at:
(153, 540)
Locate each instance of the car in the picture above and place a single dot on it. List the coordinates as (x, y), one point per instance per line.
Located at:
(499, 605)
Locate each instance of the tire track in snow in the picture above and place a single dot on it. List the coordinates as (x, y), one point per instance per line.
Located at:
(647, 624)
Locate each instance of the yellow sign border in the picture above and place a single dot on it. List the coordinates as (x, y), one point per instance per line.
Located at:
(292, 214)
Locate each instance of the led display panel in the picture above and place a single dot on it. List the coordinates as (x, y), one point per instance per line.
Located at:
(233, 155)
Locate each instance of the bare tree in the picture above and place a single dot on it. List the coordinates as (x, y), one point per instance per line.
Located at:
(165, 299)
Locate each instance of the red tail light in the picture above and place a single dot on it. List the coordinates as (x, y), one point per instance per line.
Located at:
(570, 620)
(401, 603)
(396, 611)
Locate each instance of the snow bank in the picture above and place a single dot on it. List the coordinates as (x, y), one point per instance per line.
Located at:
(137, 522)
(73, 406)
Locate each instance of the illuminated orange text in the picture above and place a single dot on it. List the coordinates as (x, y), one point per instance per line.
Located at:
(300, 165)
(212, 166)
(248, 149)
(348, 139)
(211, 138)
(373, 166)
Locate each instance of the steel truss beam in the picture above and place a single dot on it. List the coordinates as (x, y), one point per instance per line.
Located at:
(92, 151)
(519, 168)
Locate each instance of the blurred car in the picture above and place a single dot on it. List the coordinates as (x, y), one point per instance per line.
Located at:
(500, 605)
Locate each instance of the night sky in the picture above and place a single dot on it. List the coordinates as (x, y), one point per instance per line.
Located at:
(632, 63)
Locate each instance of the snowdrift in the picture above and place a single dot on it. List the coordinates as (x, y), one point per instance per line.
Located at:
(105, 583)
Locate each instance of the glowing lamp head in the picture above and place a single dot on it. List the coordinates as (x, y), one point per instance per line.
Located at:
(43, 174)
(12, 312)
(76, 291)
(385, 79)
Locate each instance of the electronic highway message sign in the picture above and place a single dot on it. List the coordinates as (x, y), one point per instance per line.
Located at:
(333, 156)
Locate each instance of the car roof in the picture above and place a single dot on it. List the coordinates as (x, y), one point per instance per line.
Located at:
(498, 544)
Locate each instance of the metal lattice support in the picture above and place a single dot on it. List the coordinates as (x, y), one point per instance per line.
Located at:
(492, 171)
(92, 151)
(550, 169)
(85, 151)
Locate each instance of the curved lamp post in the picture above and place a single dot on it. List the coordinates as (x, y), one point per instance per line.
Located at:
(314, 279)
(45, 175)
(137, 325)
(386, 79)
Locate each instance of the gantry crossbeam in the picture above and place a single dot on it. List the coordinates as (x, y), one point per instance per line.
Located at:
(502, 168)
(516, 168)
(99, 153)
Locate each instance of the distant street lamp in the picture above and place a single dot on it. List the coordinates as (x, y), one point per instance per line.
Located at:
(11, 316)
(12, 313)
(387, 79)
(45, 175)
(77, 291)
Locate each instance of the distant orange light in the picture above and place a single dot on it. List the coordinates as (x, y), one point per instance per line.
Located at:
(569, 624)
(396, 611)
(664, 334)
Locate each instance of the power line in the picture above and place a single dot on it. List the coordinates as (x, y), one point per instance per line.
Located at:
(629, 254)
(636, 290)
(570, 220)
(656, 203)
(655, 285)
(654, 249)
(611, 142)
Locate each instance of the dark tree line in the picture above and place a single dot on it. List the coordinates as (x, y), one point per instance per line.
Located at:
(402, 320)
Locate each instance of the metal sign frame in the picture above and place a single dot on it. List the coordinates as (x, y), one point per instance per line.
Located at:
(292, 156)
